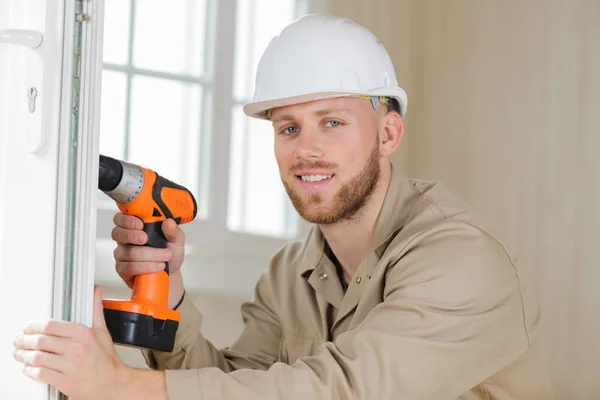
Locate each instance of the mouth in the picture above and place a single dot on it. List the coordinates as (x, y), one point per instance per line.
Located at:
(314, 181)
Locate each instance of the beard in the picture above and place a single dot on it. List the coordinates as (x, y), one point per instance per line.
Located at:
(348, 200)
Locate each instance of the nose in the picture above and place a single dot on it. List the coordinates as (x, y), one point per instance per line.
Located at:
(308, 145)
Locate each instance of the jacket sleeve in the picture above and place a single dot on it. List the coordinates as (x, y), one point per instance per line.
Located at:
(452, 316)
(257, 347)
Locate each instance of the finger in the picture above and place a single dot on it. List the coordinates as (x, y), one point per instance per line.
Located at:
(98, 321)
(49, 376)
(42, 359)
(53, 327)
(172, 231)
(128, 236)
(51, 344)
(128, 221)
(141, 253)
(128, 270)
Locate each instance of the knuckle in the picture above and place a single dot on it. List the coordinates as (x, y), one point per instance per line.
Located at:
(127, 221)
(119, 252)
(133, 221)
(48, 326)
(122, 268)
(119, 235)
(87, 335)
(151, 254)
(113, 234)
(130, 252)
(132, 237)
(37, 358)
(40, 341)
(119, 218)
(79, 349)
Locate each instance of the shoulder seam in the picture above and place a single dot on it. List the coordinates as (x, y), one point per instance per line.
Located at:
(435, 208)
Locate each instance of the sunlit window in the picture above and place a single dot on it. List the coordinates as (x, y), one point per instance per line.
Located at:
(155, 85)
(257, 200)
(160, 64)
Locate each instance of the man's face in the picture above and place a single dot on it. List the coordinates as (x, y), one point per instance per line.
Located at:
(328, 156)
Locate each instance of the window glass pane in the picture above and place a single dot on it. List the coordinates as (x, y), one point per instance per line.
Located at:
(112, 119)
(264, 207)
(116, 31)
(257, 198)
(169, 35)
(236, 162)
(257, 22)
(243, 39)
(165, 128)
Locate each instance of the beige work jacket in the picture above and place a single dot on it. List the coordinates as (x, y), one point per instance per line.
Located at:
(439, 308)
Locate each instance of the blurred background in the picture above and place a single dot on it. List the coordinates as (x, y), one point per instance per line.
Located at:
(504, 100)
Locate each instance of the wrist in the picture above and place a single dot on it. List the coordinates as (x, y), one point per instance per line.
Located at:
(176, 290)
(143, 385)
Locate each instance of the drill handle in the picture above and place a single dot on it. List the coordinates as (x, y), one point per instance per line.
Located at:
(156, 238)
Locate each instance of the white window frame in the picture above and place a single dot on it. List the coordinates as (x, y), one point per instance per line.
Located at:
(210, 236)
(48, 172)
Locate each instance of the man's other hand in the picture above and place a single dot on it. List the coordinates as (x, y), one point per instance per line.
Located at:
(80, 362)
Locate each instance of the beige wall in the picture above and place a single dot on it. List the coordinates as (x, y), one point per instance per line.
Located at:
(504, 108)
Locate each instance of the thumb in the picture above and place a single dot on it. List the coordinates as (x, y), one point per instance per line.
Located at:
(172, 232)
(98, 309)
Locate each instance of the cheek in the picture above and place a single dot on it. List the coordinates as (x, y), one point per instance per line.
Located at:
(349, 154)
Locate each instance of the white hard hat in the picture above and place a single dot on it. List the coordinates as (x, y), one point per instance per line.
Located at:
(319, 56)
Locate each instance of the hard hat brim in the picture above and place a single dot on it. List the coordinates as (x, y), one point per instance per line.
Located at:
(260, 109)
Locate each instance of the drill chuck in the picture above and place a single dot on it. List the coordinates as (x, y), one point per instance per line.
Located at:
(120, 180)
(110, 173)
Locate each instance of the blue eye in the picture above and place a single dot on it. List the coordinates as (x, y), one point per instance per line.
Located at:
(333, 123)
(290, 130)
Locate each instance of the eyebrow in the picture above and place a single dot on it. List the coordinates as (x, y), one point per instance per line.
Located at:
(318, 113)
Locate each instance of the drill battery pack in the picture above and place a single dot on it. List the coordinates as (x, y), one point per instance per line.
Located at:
(138, 330)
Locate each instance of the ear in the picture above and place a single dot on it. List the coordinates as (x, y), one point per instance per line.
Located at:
(390, 133)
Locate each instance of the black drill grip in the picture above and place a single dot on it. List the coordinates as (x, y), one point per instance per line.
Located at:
(156, 238)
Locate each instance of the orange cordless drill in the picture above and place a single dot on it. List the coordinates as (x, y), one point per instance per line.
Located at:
(145, 320)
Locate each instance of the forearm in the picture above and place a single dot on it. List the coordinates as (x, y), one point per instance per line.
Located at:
(193, 350)
(257, 346)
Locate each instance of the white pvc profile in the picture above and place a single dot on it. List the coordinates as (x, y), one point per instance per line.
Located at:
(78, 165)
(78, 170)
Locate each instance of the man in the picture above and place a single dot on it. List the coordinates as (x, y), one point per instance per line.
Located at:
(398, 291)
